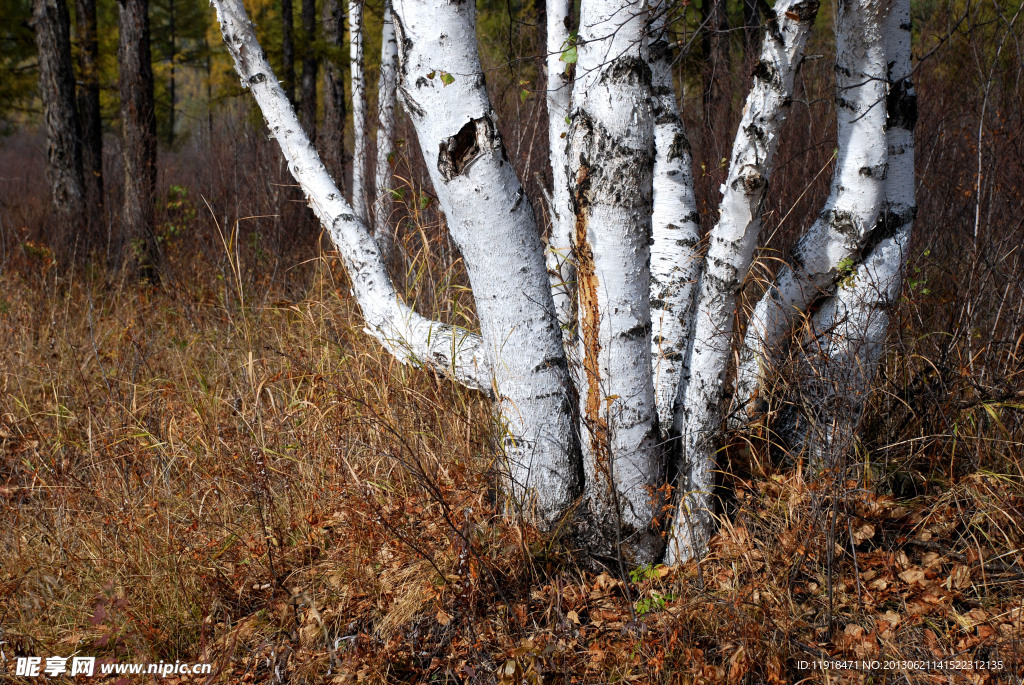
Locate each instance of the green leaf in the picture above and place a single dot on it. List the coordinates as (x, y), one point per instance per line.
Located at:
(569, 56)
(424, 200)
(446, 78)
(431, 74)
(523, 94)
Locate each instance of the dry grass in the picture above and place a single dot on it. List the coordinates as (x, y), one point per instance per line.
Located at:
(226, 471)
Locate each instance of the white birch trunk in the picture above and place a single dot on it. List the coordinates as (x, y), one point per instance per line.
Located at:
(492, 223)
(675, 258)
(411, 338)
(383, 231)
(611, 155)
(355, 37)
(854, 322)
(730, 251)
(827, 252)
(561, 266)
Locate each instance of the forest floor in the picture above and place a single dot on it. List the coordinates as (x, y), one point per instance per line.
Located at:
(226, 469)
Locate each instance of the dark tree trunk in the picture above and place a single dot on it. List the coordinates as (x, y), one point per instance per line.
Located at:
(52, 26)
(288, 49)
(171, 95)
(751, 30)
(310, 67)
(89, 115)
(715, 45)
(332, 140)
(138, 121)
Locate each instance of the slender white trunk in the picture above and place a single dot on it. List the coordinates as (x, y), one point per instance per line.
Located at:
(675, 258)
(561, 267)
(854, 322)
(828, 251)
(383, 231)
(492, 223)
(730, 251)
(408, 336)
(355, 37)
(611, 155)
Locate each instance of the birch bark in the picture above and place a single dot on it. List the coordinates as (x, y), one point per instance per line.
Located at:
(675, 259)
(411, 338)
(730, 251)
(491, 221)
(561, 267)
(854, 322)
(826, 253)
(355, 37)
(383, 231)
(611, 156)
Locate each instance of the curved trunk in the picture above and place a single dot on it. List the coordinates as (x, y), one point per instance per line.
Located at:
(355, 37)
(828, 251)
(492, 223)
(730, 251)
(675, 258)
(411, 338)
(52, 27)
(561, 268)
(383, 231)
(854, 322)
(611, 156)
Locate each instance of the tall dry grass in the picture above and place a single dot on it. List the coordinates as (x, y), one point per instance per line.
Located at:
(226, 469)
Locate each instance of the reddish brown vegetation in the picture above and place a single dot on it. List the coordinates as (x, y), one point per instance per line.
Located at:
(224, 468)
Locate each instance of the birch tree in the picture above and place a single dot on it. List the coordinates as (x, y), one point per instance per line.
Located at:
(358, 76)
(607, 350)
(386, 86)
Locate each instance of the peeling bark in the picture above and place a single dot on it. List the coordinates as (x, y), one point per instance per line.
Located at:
(730, 251)
(611, 157)
(411, 338)
(836, 241)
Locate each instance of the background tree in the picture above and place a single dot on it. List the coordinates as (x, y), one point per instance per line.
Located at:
(288, 47)
(52, 25)
(310, 66)
(332, 143)
(18, 61)
(179, 52)
(138, 133)
(90, 120)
